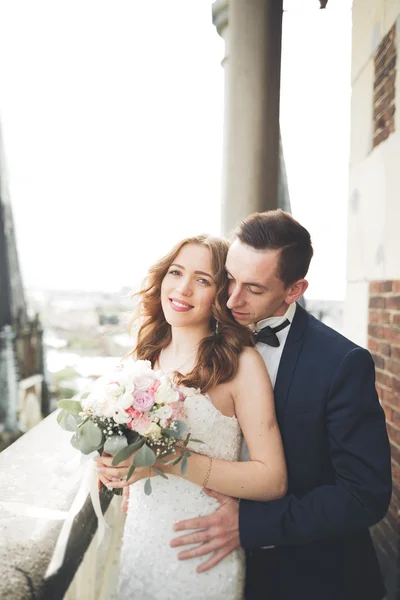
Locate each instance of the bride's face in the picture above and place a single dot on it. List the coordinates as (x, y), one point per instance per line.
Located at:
(188, 289)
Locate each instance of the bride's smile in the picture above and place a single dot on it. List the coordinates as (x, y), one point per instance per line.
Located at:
(188, 289)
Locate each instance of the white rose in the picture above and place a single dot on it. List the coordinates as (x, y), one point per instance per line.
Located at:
(154, 431)
(164, 412)
(166, 394)
(143, 382)
(125, 401)
(120, 416)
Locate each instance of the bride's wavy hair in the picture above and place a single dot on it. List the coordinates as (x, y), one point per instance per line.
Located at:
(217, 357)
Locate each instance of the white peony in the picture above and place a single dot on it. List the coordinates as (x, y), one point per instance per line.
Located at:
(166, 394)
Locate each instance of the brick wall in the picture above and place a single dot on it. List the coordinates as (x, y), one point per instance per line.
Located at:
(385, 88)
(384, 345)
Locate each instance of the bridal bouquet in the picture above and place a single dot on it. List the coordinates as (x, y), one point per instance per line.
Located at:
(133, 410)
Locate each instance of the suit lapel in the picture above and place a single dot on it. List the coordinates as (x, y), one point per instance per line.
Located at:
(289, 358)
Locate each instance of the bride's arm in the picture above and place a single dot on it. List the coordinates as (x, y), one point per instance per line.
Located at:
(264, 477)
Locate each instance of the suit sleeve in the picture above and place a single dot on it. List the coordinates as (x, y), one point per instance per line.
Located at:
(360, 455)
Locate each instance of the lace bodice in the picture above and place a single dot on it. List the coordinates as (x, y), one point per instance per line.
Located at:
(221, 435)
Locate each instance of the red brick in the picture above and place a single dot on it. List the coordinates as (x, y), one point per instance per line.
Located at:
(374, 287)
(396, 420)
(389, 397)
(384, 378)
(393, 367)
(376, 331)
(379, 316)
(379, 361)
(390, 334)
(384, 349)
(388, 412)
(393, 302)
(373, 345)
(394, 434)
(395, 451)
(377, 302)
(396, 286)
(395, 352)
(396, 319)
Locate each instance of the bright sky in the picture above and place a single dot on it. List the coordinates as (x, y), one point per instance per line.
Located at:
(112, 118)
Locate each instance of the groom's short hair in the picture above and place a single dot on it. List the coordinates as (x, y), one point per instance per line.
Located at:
(278, 230)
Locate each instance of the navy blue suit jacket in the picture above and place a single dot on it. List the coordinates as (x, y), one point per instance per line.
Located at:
(339, 475)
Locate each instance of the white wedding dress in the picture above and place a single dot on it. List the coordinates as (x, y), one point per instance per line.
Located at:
(149, 567)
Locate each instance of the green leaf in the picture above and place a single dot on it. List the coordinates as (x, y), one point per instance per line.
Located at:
(75, 441)
(91, 437)
(197, 441)
(187, 453)
(60, 416)
(115, 443)
(184, 465)
(71, 406)
(145, 457)
(147, 487)
(68, 422)
(177, 460)
(160, 473)
(130, 472)
(127, 451)
(85, 395)
(178, 432)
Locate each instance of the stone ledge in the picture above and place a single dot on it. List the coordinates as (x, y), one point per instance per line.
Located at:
(33, 474)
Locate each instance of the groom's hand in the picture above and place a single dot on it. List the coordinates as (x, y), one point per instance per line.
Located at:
(217, 533)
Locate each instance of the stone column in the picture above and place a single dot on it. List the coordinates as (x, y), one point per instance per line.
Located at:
(252, 31)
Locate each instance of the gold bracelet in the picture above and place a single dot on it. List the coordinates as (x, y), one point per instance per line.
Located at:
(207, 474)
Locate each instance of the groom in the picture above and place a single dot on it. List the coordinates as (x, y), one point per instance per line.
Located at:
(314, 543)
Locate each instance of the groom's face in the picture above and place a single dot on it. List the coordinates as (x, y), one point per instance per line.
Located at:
(255, 290)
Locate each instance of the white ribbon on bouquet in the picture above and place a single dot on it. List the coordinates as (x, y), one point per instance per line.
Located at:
(87, 487)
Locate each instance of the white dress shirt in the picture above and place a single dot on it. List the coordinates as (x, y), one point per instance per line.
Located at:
(271, 356)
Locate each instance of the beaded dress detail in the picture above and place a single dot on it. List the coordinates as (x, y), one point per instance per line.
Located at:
(149, 567)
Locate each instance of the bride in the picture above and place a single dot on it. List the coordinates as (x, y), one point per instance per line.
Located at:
(188, 333)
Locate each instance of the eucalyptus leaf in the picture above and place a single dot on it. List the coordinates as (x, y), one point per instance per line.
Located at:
(60, 416)
(177, 460)
(144, 457)
(75, 441)
(91, 437)
(187, 453)
(197, 441)
(184, 465)
(182, 428)
(147, 487)
(85, 446)
(68, 422)
(71, 406)
(160, 473)
(127, 452)
(130, 472)
(115, 443)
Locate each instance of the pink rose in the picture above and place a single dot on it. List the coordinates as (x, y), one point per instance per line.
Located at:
(143, 401)
(141, 424)
(154, 387)
(135, 414)
(178, 411)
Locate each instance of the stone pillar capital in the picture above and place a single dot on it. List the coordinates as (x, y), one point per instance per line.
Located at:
(220, 15)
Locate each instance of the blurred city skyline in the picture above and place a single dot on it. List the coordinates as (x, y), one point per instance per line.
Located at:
(112, 121)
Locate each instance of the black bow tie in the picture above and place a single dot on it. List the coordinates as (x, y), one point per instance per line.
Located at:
(267, 335)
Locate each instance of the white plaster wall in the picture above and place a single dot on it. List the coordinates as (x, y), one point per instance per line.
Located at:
(374, 182)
